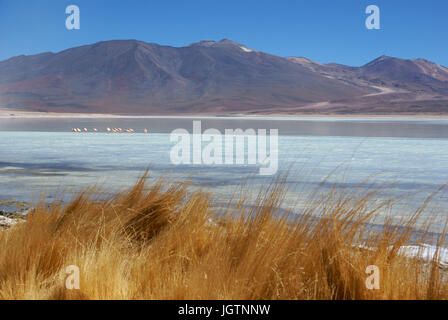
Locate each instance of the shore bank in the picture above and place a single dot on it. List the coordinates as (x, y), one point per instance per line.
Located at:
(5, 113)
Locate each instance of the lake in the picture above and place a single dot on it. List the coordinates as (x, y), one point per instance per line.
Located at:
(408, 158)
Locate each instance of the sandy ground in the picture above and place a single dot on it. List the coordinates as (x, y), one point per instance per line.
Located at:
(7, 113)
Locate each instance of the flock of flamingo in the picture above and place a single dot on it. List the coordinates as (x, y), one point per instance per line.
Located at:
(108, 130)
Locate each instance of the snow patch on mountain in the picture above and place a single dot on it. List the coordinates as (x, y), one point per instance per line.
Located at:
(246, 49)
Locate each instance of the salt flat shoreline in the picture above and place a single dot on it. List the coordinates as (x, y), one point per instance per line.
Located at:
(11, 114)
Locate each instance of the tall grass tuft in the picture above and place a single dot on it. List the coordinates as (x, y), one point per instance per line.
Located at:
(165, 241)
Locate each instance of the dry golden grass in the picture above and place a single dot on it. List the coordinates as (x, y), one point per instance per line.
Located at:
(167, 242)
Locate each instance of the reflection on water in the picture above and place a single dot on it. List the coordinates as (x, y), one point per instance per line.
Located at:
(409, 157)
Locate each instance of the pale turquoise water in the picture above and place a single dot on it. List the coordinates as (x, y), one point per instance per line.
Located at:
(410, 155)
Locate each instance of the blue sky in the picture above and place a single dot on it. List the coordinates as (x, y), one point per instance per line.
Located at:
(324, 31)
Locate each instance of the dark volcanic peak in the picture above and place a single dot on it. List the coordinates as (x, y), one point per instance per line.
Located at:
(227, 42)
(131, 76)
(390, 66)
(380, 59)
(419, 71)
(224, 43)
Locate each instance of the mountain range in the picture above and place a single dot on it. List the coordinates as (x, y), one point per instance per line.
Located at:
(215, 77)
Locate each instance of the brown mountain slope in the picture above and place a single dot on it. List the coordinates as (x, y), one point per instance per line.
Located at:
(402, 86)
(134, 77)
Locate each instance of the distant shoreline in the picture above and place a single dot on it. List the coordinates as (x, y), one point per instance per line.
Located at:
(11, 114)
